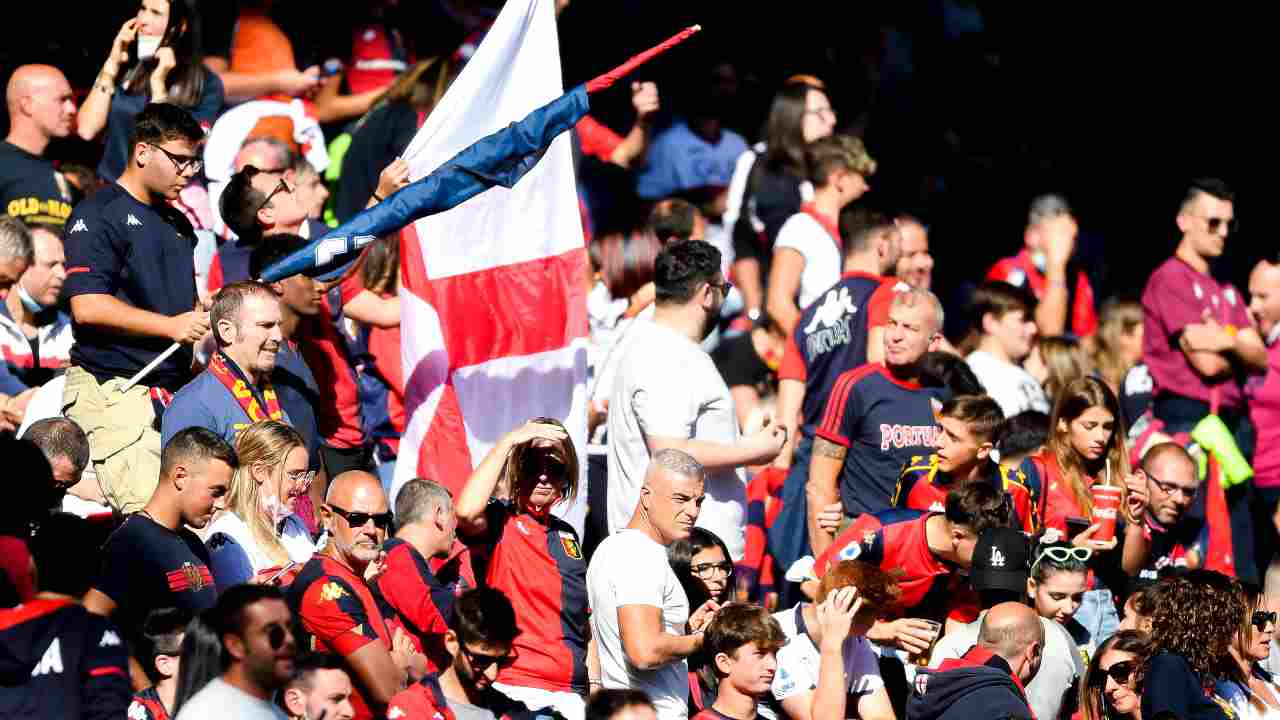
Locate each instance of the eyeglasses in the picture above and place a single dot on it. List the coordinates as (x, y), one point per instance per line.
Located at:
(358, 519)
(481, 662)
(1120, 672)
(1169, 488)
(1060, 553)
(1261, 619)
(276, 634)
(299, 480)
(282, 186)
(706, 571)
(723, 287)
(182, 162)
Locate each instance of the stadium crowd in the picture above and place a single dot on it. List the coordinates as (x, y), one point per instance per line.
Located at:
(805, 500)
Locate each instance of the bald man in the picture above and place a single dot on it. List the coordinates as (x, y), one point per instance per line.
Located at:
(988, 681)
(330, 595)
(41, 108)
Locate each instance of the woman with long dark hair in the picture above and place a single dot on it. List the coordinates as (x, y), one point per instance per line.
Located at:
(1108, 690)
(769, 182)
(201, 659)
(1252, 691)
(702, 564)
(156, 57)
(536, 559)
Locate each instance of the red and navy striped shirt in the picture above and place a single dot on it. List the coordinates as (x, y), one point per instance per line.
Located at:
(831, 337)
(922, 486)
(538, 564)
(886, 423)
(896, 542)
(419, 599)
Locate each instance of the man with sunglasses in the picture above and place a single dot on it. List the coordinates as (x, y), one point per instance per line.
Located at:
(336, 608)
(132, 290)
(1177, 539)
(482, 628)
(258, 649)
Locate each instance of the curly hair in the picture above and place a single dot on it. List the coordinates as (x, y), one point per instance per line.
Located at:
(877, 589)
(1198, 619)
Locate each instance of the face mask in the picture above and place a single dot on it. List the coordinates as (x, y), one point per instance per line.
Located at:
(1039, 259)
(28, 302)
(1271, 336)
(147, 46)
(276, 510)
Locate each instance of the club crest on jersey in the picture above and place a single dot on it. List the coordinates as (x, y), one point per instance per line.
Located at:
(194, 580)
(922, 683)
(331, 591)
(570, 545)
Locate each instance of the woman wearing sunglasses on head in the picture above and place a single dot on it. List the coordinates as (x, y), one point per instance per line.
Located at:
(701, 563)
(1059, 578)
(1252, 692)
(1107, 690)
(536, 560)
(259, 538)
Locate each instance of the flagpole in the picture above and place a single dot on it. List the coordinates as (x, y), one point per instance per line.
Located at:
(606, 80)
(146, 369)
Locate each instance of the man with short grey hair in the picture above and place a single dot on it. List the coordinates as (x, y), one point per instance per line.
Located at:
(1066, 302)
(426, 530)
(66, 448)
(16, 251)
(639, 611)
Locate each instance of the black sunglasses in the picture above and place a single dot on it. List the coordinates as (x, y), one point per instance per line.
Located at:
(1261, 619)
(1216, 223)
(358, 519)
(540, 461)
(1120, 672)
(480, 662)
(276, 635)
(182, 162)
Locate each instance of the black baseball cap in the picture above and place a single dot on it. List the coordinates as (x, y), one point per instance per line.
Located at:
(1001, 560)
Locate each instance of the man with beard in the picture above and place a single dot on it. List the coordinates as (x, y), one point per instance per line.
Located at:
(235, 390)
(334, 604)
(668, 394)
(481, 630)
(253, 623)
(1176, 539)
(153, 560)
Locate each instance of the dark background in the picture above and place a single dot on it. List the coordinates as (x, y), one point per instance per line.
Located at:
(971, 108)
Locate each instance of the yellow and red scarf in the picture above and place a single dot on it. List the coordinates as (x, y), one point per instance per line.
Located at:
(244, 391)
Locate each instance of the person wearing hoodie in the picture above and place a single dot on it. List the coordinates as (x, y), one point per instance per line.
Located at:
(988, 681)
(60, 660)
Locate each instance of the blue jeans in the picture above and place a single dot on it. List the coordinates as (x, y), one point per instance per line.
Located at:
(1098, 616)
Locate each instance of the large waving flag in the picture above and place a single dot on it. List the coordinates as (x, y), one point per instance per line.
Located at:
(493, 319)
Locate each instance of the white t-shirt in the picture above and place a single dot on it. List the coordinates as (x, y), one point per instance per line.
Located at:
(803, 233)
(219, 700)
(667, 386)
(1012, 387)
(799, 662)
(630, 568)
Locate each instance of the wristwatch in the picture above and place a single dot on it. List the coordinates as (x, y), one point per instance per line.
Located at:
(753, 314)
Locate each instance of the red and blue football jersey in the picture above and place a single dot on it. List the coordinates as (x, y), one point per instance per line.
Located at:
(922, 486)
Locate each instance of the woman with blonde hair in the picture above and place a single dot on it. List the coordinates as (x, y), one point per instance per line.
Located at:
(259, 538)
(1118, 341)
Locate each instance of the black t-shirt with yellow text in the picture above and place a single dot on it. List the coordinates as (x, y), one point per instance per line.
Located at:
(31, 189)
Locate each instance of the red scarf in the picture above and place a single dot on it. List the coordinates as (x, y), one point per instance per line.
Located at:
(243, 391)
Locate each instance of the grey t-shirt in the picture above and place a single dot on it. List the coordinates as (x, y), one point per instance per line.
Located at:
(466, 711)
(220, 700)
(1060, 667)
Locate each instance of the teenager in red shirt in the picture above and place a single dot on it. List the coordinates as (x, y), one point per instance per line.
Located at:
(967, 431)
(534, 558)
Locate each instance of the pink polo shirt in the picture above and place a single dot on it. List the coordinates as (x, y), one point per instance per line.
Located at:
(1176, 296)
(1264, 411)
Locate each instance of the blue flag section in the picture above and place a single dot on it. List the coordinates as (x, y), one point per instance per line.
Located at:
(500, 159)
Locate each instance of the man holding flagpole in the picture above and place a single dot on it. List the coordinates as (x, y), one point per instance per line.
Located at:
(132, 289)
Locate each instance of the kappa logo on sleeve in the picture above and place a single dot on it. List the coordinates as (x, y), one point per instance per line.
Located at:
(394, 713)
(132, 221)
(109, 639)
(79, 226)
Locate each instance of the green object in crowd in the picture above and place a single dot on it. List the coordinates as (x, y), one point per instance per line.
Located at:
(1213, 435)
